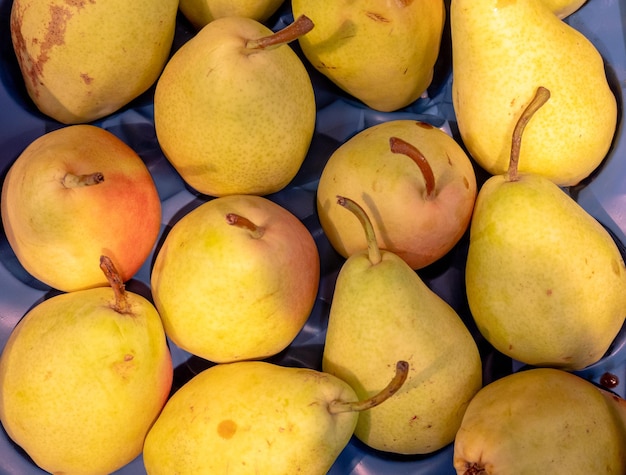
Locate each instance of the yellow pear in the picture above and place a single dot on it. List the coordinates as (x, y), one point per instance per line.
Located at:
(545, 282)
(255, 417)
(83, 60)
(381, 312)
(201, 12)
(234, 109)
(236, 278)
(501, 52)
(84, 375)
(541, 420)
(382, 53)
(564, 8)
(415, 182)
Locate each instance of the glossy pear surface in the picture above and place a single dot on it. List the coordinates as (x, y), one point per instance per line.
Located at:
(225, 294)
(83, 60)
(503, 51)
(540, 420)
(392, 190)
(538, 264)
(251, 417)
(58, 226)
(382, 53)
(83, 383)
(231, 119)
(201, 12)
(384, 312)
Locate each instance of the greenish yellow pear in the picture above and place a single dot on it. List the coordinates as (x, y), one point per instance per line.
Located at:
(234, 109)
(255, 417)
(83, 60)
(415, 182)
(541, 420)
(381, 53)
(545, 282)
(201, 12)
(501, 52)
(236, 278)
(84, 375)
(381, 311)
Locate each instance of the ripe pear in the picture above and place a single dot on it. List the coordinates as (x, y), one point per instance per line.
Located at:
(382, 53)
(541, 420)
(545, 282)
(382, 311)
(415, 182)
(201, 12)
(73, 194)
(236, 278)
(84, 375)
(564, 8)
(501, 52)
(84, 60)
(234, 109)
(257, 417)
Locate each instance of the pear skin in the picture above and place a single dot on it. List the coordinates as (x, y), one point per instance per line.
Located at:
(84, 60)
(234, 117)
(83, 379)
(202, 12)
(502, 51)
(382, 53)
(540, 420)
(382, 311)
(564, 8)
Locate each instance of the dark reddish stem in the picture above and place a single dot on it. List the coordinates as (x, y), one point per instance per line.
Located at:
(398, 145)
(301, 26)
(244, 223)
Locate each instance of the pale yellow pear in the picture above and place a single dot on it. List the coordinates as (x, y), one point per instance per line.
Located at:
(382, 53)
(545, 282)
(255, 417)
(502, 51)
(382, 311)
(233, 114)
(83, 60)
(201, 12)
(540, 420)
(84, 375)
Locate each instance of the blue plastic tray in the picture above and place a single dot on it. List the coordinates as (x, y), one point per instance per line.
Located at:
(339, 117)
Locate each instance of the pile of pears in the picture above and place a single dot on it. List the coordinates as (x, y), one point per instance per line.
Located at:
(235, 277)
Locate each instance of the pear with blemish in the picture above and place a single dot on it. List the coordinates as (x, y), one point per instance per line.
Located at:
(84, 375)
(537, 264)
(255, 417)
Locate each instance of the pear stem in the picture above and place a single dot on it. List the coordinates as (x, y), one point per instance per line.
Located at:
(541, 97)
(75, 181)
(301, 26)
(397, 145)
(372, 243)
(244, 223)
(117, 284)
(402, 373)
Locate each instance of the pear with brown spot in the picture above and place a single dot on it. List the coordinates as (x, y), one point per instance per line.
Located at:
(83, 377)
(255, 417)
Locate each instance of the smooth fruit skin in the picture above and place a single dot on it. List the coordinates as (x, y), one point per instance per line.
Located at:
(540, 420)
(537, 264)
(226, 296)
(231, 121)
(564, 8)
(391, 189)
(251, 417)
(83, 60)
(503, 51)
(59, 233)
(201, 12)
(82, 384)
(382, 53)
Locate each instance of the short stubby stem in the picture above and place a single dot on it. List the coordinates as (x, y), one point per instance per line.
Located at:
(301, 26)
(397, 145)
(244, 223)
(76, 181)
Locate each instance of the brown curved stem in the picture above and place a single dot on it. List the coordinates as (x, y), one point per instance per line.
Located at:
(402, 373)
(397, 145)
(244, 223)
(372, 243)
(301, 26)
(75, 181)
(117, 284)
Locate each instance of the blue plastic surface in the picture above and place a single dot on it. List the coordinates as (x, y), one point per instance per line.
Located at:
(339, 117)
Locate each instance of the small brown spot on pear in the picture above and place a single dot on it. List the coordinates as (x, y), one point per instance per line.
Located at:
(226, 428)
